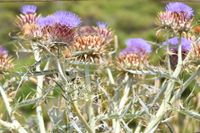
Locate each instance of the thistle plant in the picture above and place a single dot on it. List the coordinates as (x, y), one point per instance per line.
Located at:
(83, 84)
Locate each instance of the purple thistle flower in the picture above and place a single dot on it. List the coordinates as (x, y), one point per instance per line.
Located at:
(60, 17)
(180, 7)
(3, 52)
(5, 60)
(28, 9)
(102, 24)
(67, 18)
(136, 46)
(46, 21)
(173, 43)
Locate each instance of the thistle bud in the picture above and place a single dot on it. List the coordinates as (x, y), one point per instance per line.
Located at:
(135, 55)
(26, 21)
(173, 47)
(5, 60)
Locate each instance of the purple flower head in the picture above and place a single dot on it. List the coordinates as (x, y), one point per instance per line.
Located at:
(46, 21)
(102, 24)
(136, 46)
(173, 43)
(180, 7)
(28, 9)
(67, 18)
(3, 52)
(60, 17)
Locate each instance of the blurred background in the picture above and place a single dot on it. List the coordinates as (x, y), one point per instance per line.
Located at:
(127, 18)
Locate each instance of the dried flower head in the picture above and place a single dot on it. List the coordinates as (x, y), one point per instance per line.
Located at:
(93, 40)
(196, 30)
(26, 21)
(59, 26)
(136, 54)
(177, 17)
(196, 50)
(5, 60)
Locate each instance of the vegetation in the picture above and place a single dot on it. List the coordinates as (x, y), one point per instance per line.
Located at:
(73, 89)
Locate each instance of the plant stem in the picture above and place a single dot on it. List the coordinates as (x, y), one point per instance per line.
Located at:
(74, 103)
(40, 79)
(15, 124)
(185, 85)
(90, 102)
(122, 104)
(82, 119)
(168, 59)
(125, 97)
(110, 76)
(60, 70)
(6, 124)
(151, 127)
(138, 128)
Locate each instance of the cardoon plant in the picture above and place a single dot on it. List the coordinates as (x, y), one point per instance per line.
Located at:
(83, 84)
